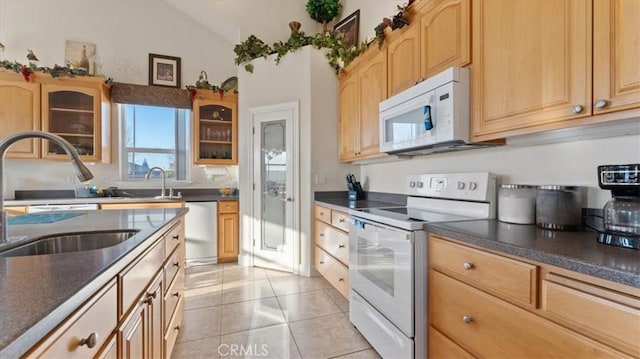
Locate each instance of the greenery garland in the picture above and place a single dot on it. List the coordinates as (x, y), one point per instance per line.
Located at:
(27, 70)
(339, 55)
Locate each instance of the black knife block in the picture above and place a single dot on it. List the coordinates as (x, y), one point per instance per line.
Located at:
(357, 193)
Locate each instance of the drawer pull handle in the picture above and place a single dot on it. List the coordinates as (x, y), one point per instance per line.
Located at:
(176, 237)
(150, 298)
(176, 264)
(341, 246)
(176, 294)
(341, 280)
(90, 341)
(341, 220)
(467, 319)
(177, 327)
(322, 213)
(321, 262)
(468, 266)
(321, 234)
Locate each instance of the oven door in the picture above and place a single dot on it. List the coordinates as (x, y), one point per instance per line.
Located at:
(381, 269)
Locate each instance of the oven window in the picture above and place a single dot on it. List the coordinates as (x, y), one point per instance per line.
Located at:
(377, 264)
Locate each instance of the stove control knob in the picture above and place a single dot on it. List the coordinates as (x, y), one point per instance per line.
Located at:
(473, 185)
(412, 184)
(460, 185)
(419, 184)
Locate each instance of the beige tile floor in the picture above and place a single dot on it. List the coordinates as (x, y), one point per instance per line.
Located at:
(246, 312)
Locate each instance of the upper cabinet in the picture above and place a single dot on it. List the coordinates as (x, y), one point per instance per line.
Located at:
(19, 112)
(439, 37)
(215, 128)
(532, 67)
(616, 55)
(362, 87)
(77, 109)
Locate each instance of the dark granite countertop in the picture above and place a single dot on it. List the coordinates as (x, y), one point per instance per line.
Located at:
(338, 200)
(577, 251)
(38, 292)
(26, 198)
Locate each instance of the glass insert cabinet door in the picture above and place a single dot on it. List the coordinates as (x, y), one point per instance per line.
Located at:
(215, 129)
(73, 114)
(273, 164)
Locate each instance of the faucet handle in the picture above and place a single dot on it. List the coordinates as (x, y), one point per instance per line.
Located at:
(170, 192)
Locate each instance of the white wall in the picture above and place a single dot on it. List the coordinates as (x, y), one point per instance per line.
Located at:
(371, 13)
(305, 77)
(568, 163)
(124, 32)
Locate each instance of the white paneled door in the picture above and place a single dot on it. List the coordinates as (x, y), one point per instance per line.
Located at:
(276, 240)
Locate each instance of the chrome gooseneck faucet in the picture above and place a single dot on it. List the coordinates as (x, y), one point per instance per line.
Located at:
(81, 170)
(148, 175)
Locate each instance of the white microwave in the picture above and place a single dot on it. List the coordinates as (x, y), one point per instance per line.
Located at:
(431, 116)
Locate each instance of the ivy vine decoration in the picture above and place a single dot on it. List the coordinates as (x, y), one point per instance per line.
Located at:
(339, 55)
(397, 21)
(27, 70)
(250, 49)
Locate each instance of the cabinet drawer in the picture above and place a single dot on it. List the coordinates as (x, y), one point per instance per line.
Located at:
(227, 206)
(582, 307)
(173, 238)
(323, 214)
(173, 328)
(173, 266)
(489, 327)
(512, 280)
(95, 320)
(174, 295)
(333, 241)
(135, 278)
(340, 220)
(443, 347)
(333, 271)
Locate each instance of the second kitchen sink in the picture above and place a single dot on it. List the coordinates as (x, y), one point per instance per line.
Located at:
(72, 242)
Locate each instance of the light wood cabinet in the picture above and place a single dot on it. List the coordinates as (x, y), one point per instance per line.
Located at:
(215, 128)
(551, 64)
(228, 228)
(77, 109)
(362, 88)
(439, 37)
(85, 332)
(616, 55)
(136, 315)
(19, 112)
(488, 308)
(331, 258)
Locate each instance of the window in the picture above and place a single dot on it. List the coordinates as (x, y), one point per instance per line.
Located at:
(153, 137)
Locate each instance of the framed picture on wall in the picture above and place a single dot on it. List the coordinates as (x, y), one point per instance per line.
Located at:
(349, 27)
(164, 70)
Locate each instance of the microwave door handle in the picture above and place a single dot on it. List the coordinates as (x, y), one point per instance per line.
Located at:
(428, 122)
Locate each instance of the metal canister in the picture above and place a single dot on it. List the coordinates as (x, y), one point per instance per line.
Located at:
(559, 207)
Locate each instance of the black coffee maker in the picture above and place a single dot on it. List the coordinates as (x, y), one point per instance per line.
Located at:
(621, 214)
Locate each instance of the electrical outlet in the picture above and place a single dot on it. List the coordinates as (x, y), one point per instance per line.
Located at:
(320, 179)
(69, 179)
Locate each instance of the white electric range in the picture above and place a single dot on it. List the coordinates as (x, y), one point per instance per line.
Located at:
(388, 257)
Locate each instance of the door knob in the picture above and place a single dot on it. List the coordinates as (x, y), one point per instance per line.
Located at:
(289, 199)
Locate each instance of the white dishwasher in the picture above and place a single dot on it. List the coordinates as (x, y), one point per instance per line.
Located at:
(201, 232)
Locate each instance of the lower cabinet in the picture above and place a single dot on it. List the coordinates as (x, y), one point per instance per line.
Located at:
(228, 231)
(332, 247)
(484, 304)
(136, 315)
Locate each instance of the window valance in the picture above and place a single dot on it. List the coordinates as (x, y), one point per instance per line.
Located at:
(150, 95)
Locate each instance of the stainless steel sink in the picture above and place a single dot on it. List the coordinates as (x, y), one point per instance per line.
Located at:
(72, 242)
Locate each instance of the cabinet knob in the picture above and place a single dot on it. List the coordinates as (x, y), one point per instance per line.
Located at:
(467, 319)
(468, 266)
(90, 341)
(150, 297)
(601, 103)
(177, 327)
(176, 294)
(341, 220)
(176, 264)
(341, 280)
(321, 234)
(176, 237)
(341, 246)
(321, 262)
(577, 109)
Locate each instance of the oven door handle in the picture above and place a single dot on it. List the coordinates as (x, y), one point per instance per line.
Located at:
(365, 225)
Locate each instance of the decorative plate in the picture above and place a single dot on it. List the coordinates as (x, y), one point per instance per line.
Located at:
(230, 84)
